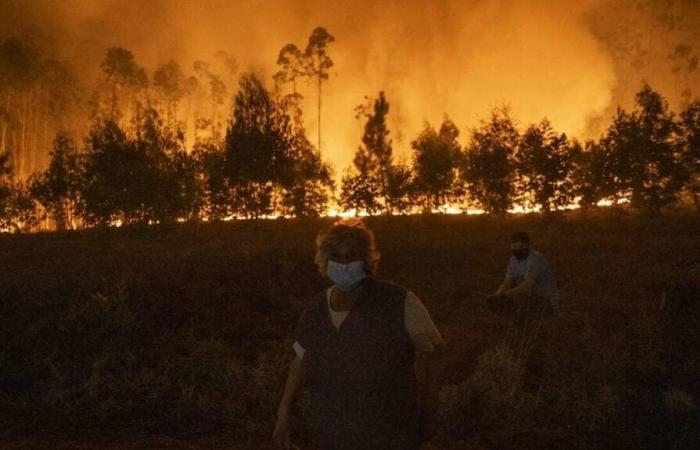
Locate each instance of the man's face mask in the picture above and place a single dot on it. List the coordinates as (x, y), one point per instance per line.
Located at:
(521, 253)
(346, 275)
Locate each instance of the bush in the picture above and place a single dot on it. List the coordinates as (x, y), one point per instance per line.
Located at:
(102, 363)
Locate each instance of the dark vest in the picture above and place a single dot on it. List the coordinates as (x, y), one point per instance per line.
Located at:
(361, 377)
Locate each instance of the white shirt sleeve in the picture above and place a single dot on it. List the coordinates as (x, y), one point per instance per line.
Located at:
(419, 325)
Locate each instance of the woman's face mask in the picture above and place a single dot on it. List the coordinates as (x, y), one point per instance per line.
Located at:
(346, 275)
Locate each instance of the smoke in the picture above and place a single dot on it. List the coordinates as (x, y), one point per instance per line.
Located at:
(572, 62)
(653, 41)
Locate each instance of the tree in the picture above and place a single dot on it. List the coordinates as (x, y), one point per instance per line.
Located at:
(20, 75)
(690, 147)
(359, 192)
(171, 190)
(58, 188)
(641, 149)
(5, 181)
(544, 163)
(259, 144)
(270, 162)
(113, 187)
(122, 75)
(65, 101)
(37, 98)
(400, 188)
(318, 63)
(140, 178)
(17, 208)
(20, 212)
(256, 141)
(489, 166)
(216, 189)
(435, 160)
(170, 84)
(592, 176)
(372, 162)
(307, 187)
(292, 67)
(306, 190)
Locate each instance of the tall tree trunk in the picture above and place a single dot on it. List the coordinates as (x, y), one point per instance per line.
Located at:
(319, 114)
(188, 112)
(22, 154)
(195, 116)
(213, 118)
(45, 134)
(5, 123)
(36, 116)
(114, 102)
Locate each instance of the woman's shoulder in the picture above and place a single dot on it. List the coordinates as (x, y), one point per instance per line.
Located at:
(388, 288)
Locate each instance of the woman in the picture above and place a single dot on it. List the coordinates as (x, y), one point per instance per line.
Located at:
(364, 348)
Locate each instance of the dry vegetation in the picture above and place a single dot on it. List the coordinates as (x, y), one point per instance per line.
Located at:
(111, 337)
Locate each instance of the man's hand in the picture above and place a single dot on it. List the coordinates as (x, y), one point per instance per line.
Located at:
(499, 302)
(280, 437)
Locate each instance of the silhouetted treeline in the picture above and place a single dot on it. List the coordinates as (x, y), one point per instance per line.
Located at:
(172, 147)
(648, 157)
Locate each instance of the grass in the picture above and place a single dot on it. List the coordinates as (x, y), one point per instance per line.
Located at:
(179, 336)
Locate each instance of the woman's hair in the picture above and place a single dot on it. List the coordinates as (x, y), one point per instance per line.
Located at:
(351, 232)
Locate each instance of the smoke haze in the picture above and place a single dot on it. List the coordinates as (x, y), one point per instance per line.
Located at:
(572, 62)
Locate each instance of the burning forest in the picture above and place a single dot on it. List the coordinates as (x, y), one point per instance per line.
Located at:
(486, 224)
(109, 119)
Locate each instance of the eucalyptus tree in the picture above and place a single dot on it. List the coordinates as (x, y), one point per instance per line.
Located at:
(20, 75)
(170, 84)
(122, 76)
(292, 68)
(208, 89)
(318, 63)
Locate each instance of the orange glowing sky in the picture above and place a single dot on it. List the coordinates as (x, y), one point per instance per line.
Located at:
(457, 57)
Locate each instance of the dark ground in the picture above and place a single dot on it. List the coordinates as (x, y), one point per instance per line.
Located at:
(178, 337)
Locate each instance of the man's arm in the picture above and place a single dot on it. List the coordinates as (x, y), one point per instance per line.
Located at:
(505, 285)
(523, 288)
(280, 435)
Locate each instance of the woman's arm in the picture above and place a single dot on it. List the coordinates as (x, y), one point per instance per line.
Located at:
(427, 388)
(280, 436)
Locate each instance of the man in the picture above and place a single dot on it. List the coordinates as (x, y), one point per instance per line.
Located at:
(365, 348)
(528, 277)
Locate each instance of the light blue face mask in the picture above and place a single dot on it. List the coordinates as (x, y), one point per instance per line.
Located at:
(346, 275)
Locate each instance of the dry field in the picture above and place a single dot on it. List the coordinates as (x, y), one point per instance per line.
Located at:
(178, 337)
